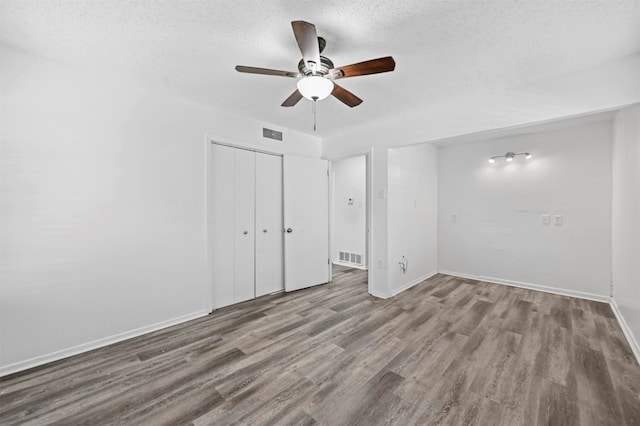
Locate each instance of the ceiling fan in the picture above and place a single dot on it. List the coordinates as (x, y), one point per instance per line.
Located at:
(318, 72)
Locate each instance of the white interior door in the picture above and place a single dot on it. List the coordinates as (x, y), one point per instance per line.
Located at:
(244, 213)
(268, 232)
(306, 222)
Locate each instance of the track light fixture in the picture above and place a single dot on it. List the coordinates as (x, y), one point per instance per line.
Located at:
(509, 156)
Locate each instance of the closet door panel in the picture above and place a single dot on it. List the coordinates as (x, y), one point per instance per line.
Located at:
(222, 234)
(269, 226)
(244, 188)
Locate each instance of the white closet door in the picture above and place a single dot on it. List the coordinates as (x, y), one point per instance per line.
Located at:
(222, 231)
(269, 229)
(244, 182)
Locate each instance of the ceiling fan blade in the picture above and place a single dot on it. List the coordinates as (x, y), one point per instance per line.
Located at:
(345, 96)
(307, 39)
(373, 66)
(293, 99)
(266, 71)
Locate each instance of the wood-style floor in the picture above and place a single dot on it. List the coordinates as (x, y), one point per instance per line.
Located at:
(448, 351)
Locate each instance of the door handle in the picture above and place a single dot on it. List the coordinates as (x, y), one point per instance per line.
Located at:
(289, 230)
(245, 232)
(264, 230)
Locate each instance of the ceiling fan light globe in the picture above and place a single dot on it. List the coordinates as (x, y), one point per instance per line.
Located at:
(315, 87)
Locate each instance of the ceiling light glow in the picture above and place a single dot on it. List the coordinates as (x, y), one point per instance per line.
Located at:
(509, 156)
(315, 88)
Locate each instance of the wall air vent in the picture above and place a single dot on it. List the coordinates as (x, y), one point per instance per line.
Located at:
(271, 134)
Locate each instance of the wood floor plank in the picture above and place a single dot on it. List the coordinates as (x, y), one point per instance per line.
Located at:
(472, 317)
(516, 319)
(627, 386)
(449, 351)
(584, 329)
(595, 387)
(557, 407)
(379, 404)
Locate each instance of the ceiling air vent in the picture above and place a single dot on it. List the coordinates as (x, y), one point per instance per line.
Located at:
(271, 134)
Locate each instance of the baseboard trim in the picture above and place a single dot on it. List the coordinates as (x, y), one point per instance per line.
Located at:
(529, 286)
(349, 265)
(95, 344)
(410, 284)
(378, 294)
(631, 339)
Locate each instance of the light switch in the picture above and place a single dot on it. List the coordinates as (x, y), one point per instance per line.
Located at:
(545, 219)
(557, 219)
(382, 193)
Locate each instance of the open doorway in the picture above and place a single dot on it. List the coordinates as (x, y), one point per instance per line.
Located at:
(349, 215)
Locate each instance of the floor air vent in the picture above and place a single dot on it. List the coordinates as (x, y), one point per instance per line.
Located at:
(348, 257)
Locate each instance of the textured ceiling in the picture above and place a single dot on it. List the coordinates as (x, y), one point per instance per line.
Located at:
(444, 50)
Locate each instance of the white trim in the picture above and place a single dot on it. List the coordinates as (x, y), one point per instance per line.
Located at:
(529, 286)
(246, 148)
(631, 339)
(378, 294)
(349, 265)
(251, 146)
(329, 217)
(410, 284)
(95, 344)
(207, 226)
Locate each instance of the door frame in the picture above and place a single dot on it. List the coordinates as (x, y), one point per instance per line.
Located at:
(367, 163)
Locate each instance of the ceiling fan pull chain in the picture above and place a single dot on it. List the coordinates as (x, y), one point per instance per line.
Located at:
(313, 110)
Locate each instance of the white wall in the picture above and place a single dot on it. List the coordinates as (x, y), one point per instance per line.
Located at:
(349, 224)
(498, 234)
(102, 207)
(626, 221)
(413, 215)
(606, 87)
(379, 225)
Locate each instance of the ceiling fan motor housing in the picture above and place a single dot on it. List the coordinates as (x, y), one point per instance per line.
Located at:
(325, 66)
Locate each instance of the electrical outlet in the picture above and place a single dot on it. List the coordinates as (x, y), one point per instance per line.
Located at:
(557, 220)
(546, 219)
